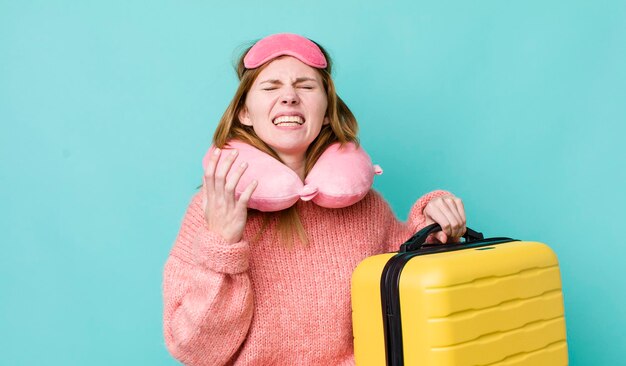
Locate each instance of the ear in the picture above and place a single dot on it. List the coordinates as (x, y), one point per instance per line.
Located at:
(244, 116)
(326, 121)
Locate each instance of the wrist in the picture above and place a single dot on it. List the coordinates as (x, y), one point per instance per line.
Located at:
(212, 251)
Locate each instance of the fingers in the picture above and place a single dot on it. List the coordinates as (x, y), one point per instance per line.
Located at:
(221, 179)
(454, 240)
(461, 210)
(449, 213)
(209, 172)
(441, 237)
(230, 186)
(432, 239)
(246, 194)
(457, 223)
(222, 172)
(441, 214)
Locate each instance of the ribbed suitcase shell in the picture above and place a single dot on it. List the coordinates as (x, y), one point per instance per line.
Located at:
(495, 305)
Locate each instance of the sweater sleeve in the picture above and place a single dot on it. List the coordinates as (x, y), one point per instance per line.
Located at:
(206, 292)
(399, 231)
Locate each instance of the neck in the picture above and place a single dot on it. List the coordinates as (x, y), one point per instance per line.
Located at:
(295, 163)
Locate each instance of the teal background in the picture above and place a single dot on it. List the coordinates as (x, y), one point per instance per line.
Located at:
(106, 108)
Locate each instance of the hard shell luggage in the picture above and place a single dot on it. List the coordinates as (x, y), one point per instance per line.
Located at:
(493, 301)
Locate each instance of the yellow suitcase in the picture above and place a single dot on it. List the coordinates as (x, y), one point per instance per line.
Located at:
(494, 301)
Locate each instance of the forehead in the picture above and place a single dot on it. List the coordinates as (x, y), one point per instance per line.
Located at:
(287, 68)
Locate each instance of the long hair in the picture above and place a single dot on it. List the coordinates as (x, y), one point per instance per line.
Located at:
(342, 128)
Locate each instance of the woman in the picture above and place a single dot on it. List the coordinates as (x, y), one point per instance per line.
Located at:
(244, 287)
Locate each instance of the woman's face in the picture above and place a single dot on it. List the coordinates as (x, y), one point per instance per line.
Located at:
(286, 106)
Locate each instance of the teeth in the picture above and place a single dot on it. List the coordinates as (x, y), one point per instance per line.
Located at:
(289, 120)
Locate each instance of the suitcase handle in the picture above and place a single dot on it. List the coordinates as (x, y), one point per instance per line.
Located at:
(419, 239)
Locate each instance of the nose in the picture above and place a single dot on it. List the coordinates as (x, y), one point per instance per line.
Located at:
(289, 97)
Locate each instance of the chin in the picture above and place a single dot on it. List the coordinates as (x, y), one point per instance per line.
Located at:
(290, 148)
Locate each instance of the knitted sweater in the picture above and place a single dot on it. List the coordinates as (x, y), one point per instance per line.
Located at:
(266, 304)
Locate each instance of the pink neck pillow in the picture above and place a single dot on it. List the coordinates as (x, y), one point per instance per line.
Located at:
(341, 177)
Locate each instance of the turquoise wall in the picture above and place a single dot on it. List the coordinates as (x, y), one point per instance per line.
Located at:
(106, 109)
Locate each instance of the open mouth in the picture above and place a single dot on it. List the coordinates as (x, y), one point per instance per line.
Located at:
(288, 121)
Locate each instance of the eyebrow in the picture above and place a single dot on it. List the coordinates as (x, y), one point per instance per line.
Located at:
(298, 80)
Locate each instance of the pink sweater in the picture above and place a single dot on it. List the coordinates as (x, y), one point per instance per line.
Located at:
(265, 304)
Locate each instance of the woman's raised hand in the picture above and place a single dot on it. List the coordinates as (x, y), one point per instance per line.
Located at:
(225, 214)
(449, 213)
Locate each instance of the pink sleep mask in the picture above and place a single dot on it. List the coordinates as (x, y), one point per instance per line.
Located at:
(281, 44)
(341, 177)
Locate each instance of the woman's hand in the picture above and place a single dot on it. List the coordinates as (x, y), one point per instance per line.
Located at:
(448, 212)
(224, 214)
